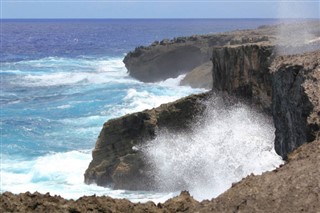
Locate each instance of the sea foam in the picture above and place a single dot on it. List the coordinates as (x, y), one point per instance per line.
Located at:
(227, 144)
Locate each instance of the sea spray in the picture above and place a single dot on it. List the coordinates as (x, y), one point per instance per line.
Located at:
(296, 35)
(227, 144)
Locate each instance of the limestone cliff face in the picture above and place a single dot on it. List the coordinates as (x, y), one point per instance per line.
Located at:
(296, 100)
(244, 71)
(286, 87)
(117, 163)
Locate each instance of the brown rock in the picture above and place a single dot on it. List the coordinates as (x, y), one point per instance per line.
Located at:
(199, 77)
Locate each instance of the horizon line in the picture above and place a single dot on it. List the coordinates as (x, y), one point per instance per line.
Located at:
(146, 18)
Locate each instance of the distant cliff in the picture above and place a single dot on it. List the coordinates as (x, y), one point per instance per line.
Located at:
(171, 58)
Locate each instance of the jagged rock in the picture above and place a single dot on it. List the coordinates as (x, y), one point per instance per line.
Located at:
(115, 160)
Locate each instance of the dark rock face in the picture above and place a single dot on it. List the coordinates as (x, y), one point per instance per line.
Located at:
(296, 95)
(115, 160)
(244, 71)
(291, 108)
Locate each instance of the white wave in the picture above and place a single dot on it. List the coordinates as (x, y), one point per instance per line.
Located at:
(62, 174)
(65, 106)
(150, 95)
(229, 144)
(110, 65)
(172, 82)
(63, 71)
(139, 100)
(11, 71)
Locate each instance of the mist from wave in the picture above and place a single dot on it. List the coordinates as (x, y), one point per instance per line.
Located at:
(228, 143)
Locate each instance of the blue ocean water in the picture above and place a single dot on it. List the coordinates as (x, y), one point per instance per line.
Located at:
(62, 79)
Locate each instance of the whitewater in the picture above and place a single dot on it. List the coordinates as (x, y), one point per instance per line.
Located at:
(57, 90)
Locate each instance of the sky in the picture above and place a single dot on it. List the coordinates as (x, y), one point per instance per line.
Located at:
(160, 9)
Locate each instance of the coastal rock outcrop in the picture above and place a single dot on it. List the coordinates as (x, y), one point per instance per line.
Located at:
(116, 160)
(286, 89)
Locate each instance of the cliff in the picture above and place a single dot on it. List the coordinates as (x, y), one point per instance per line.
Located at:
(287, 87)
(170, 58)
(296, 100)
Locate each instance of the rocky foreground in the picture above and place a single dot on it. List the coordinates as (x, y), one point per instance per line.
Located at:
(284, 85)
(294, 187)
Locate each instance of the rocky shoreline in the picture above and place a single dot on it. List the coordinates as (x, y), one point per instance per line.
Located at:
(245, 64)
(294, 187)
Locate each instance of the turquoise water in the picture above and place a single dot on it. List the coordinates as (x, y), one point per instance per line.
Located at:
(61, 80)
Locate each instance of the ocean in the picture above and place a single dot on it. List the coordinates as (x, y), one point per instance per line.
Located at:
(62, 79)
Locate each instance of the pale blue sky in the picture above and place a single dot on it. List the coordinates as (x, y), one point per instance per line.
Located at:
(160, 9)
